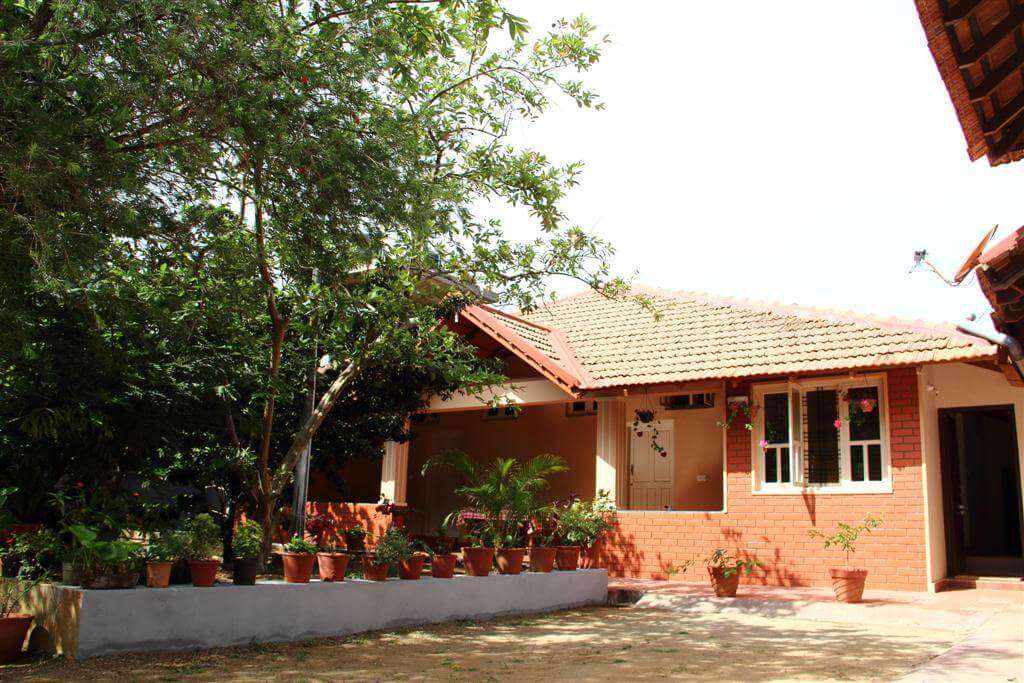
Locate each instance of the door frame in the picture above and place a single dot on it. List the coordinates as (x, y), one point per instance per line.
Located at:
(947, 464)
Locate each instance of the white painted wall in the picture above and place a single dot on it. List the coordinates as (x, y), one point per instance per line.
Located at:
(955, 385)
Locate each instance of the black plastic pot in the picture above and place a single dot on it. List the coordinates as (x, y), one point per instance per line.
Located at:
(246, 570)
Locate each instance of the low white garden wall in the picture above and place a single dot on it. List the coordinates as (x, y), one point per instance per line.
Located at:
(185, 617)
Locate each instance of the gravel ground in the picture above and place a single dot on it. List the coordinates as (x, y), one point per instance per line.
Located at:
(605, 643)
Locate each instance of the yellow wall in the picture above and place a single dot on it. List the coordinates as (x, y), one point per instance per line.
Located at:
(538, 429)
(699, 449)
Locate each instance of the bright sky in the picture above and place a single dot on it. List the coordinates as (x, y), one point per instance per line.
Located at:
(793, 151)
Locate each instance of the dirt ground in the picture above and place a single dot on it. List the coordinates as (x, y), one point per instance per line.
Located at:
(606, 643)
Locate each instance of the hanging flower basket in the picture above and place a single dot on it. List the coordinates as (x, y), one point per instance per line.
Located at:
(643, 421)
(867, 405)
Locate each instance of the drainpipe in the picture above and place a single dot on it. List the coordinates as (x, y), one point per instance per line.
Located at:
(1011, 344)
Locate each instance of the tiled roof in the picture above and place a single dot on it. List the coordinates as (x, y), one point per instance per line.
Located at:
(615, 342)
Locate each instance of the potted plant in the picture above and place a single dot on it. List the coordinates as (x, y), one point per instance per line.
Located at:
(202, 544)
(391, 548)
(14, 625)
(298, 558)
(332, 562)
(848, 584)
(247, 545)
(724, 570)
(582, 525)
(503, 497)
(543, 540)
(161, 554)
(442, 559)
(411, 567)
(106, 563)
(355, 539)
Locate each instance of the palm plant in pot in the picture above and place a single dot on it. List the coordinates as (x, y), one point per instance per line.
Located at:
(848, 584)
(391, 548)
(724, 570)
(504, 496)
(161, 554)
(298, 558)
(106, 563)
(247, 545)
(202, 545)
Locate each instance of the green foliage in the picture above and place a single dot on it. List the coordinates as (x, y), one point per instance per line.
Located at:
(582, 523)
(730, 565)
(504, 493)
(168, 546)
(392, 547)
(6, 516)
(298, 544)
(356, 533)
(202, 539)
(845, 537)
(40, 550)
(248, 539)
(100, 556)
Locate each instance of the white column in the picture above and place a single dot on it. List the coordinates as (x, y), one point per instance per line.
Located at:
(612, 466)
(394, 471)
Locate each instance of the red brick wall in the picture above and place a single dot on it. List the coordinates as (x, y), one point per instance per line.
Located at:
(773, 528)
(347, 515)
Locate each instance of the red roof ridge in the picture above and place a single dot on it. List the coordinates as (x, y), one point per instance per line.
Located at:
(497, 311)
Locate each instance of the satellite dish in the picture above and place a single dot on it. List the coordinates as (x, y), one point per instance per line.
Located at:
(972, 260)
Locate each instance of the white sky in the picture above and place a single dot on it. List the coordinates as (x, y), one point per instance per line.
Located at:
(793, 151)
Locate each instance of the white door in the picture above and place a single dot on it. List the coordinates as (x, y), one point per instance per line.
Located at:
(650, 471)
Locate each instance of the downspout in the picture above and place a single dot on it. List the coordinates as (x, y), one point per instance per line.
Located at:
(1011, 344)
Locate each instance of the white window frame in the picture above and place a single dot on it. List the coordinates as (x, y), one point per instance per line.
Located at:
(796, 389)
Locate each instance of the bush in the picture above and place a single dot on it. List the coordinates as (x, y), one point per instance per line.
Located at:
(248, 540)
(300, 545)
(584, 522)
(167, 547)
(393, 547)
(202, 538)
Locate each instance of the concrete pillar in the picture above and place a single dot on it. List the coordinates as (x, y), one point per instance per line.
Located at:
(612, 466)
(394, 471)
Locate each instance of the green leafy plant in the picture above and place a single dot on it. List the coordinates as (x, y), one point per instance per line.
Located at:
(6, 517)
(737, 410)
(503, 493)
(394, 546)
(99, 556)
(298, 544)
(13, 591)
(355, 535)
(40, 550)
(729, 564)
(168, 546)
(846, 535)
(583, 522)
(202, 538)
(643, 421)
(247, 542)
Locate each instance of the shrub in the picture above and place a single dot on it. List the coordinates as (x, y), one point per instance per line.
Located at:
(300, 545)
(394, 546)
(846, 535)
(202, 538)
(721, 559)
(583, 522)
(167, 547)
(248, 540)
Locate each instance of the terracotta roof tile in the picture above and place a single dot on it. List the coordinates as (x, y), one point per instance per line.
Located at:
(699, 337)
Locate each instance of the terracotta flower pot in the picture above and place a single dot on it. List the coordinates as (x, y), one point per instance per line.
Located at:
(373, 571)
(542, 559)
(412, 569)
(590, 558)
(158, 574)
(203, 572)
(567, 557)
(245, 570)
(848, 584)
(510, 560)
(443, 566)
(298, 567)
(724, 586)
(13, 629)
(332, 566)
(478, 560)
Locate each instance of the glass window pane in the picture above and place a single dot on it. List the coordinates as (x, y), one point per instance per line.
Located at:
(864, 411)
(784, 462)
(822, 436)
(776, 418)
(857, 463)
(875, 462)
(771, 470)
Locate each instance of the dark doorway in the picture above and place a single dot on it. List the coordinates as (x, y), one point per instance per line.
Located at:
(981, 491)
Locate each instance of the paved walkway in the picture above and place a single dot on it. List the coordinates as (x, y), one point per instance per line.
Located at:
(991, 646)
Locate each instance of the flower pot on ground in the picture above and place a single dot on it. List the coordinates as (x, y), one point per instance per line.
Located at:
(14, 624)
(13, 629)
(298, 558)
(724, 571)
(567, 557)
(478, 560)
(201, 544)
(246, 544)
(442, 565)
(510, 560)
(411, 568)
(542, 560)
(332, 565)
(847, 583)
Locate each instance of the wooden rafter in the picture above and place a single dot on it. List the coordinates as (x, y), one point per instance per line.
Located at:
(1010, 23)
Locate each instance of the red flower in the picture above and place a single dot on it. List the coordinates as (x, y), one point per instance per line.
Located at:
(80, 485)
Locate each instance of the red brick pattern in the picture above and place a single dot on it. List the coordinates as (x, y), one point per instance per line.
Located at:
(347, 515)
(773, 528)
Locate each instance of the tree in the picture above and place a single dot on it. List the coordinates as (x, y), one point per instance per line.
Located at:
(329, 162)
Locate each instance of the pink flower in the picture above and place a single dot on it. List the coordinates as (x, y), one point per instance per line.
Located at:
(763, 443)
(837, 424)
